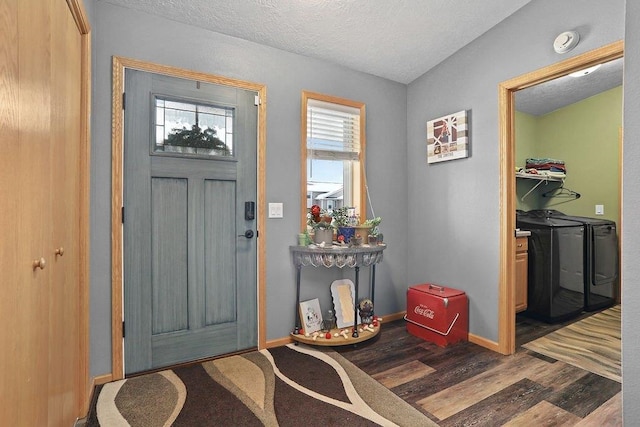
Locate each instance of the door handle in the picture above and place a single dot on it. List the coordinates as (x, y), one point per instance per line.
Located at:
(39, 263)
(248, 234)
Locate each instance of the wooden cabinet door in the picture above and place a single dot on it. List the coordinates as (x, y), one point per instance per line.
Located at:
(24, 177)
(64, 182)
(41, 377)
(522, 272)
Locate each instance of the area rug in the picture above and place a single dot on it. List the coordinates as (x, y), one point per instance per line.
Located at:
(283, 386)
(592, 344)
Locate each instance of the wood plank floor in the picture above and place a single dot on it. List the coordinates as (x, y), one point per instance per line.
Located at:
(465, 384)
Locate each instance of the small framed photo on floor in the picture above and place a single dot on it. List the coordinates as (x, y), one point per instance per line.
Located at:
(311, 316)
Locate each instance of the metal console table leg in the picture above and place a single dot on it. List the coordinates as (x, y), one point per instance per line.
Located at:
(355, 306)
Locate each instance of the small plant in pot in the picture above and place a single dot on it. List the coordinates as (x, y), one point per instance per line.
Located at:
(320, 222)
(375, 236)
(344, 222)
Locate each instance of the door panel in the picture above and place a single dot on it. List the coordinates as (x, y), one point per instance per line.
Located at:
(169, 254)
(220, 277)
(186, 270)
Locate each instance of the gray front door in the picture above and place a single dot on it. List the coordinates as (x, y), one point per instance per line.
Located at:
(189, 177)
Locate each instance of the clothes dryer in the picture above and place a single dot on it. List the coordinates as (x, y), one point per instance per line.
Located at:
(601, 258)
(555, 289)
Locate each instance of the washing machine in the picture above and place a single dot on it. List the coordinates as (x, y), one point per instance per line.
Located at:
(555, 288)
(601, 258)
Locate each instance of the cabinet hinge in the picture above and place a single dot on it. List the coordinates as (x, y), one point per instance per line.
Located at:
(122, 214)
(124, 100)
(257, 100)
(123, 333)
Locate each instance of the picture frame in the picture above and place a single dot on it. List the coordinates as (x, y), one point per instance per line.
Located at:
(310, 316)
(344, 296)
(448, 138)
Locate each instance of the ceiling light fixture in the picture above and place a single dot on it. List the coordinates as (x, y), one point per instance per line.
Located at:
(585, 71)
(566, 41)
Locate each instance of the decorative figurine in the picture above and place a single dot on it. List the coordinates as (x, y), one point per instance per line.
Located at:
(330, 322)
(365, 309)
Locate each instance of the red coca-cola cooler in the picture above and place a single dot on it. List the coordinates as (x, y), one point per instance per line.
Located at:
(437, 314)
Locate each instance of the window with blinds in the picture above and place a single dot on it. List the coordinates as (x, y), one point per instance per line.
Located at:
(333, 131)
(334, 148)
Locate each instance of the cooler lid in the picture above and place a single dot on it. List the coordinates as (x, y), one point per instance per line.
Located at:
(437, 290)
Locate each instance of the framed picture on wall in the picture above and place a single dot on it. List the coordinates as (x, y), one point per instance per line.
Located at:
(448, 138)
(311, 316)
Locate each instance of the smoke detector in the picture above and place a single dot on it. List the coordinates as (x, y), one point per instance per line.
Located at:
(566, 41)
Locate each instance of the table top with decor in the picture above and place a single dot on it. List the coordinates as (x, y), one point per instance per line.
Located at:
(337, 255)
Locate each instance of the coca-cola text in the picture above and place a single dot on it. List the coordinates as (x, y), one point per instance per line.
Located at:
(425, 311)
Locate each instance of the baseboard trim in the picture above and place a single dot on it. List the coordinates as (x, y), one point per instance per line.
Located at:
(483, 342)
(101, 379)
(393, 316)
(279, 342)
(95, 381)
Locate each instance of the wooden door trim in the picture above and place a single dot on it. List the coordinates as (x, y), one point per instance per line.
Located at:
(117, 181)
(506, 90)
(78, 12)
(620, 225)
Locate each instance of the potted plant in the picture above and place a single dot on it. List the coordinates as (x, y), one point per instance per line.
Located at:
(320, 222)
(344, 222)
(374, 233)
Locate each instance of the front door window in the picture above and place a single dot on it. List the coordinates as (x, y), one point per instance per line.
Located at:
(188, 128)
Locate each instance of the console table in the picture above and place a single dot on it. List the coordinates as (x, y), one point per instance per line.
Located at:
(337, 256)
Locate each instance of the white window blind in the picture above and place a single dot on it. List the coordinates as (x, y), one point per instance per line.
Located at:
(333, 131)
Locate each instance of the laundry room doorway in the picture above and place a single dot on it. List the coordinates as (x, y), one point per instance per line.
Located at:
(508, 195)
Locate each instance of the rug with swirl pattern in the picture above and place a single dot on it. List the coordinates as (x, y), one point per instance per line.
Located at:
(283, 386)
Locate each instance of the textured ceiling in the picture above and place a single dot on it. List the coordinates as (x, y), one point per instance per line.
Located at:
(563, 91)
(396, 39)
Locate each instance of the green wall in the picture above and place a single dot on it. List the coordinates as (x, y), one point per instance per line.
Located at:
(586, 136)
(526, 138)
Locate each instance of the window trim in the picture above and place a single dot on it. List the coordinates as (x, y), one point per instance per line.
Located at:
(306, 96)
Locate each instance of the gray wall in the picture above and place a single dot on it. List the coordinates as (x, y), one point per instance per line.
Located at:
(454, 212)
(631, 225)
(462, 196)
(122, 32)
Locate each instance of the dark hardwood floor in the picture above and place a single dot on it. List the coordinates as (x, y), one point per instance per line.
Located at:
(467, 385)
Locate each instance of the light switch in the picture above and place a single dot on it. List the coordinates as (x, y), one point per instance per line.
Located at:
(275, 210)
(599, 209)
